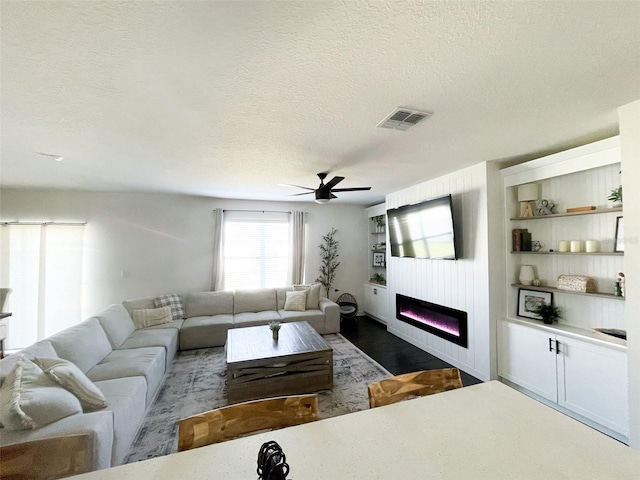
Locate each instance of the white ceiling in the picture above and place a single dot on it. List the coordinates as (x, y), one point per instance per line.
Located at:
(229, 99)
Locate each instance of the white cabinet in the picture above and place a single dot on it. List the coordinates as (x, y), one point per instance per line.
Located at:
(587, 379)
(376, 302)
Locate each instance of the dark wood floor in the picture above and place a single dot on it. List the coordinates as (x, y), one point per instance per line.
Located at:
(393, 353)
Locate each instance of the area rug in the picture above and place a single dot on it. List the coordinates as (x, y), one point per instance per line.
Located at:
(195, 383)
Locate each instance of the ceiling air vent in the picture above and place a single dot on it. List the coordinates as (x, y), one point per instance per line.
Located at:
(403, 119)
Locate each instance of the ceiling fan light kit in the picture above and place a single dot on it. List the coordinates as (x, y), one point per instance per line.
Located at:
(324, 192)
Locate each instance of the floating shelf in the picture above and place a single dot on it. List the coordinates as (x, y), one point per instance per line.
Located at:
(569, 253)
(572, 214)
(557, 290)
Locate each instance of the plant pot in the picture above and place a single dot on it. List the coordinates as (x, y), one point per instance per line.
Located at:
(548, 321)
(274, 333)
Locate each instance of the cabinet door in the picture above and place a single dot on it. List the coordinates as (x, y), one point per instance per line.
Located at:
(369, 300)
(376, 302)
(592, 381)
(381, 303)
(524, 358)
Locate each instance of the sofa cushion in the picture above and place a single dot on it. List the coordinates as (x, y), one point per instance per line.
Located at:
(313, 293)
(67, 375)
(149, 317)
(281, 296)
(85, 344)
(126, 397)
(155, 337)
(97, 424)
(147, 362)
(117, 324)
(172, 300)
(203, 332)
(256, 300)
(252, 319)
(296, 301)
(30, 399)
(137, 303)
(315, 318)
(208, 304)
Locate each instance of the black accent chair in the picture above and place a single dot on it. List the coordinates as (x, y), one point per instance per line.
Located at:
(348, 306)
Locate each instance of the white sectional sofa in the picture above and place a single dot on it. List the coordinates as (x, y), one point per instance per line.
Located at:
(128, 364)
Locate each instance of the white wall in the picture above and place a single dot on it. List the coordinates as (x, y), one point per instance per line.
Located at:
(463, 284)
(163, 241)
(629, 116)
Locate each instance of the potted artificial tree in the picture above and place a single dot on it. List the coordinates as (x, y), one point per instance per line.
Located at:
(328, 260)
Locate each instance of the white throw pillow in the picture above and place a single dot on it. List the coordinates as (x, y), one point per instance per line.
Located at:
(30, 399)
(313, 294)
(148, 317)
(68, 375)
(296, 301)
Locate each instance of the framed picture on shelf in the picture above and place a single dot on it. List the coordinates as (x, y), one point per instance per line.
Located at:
(529, 300)
(378, 259)
(619, 238)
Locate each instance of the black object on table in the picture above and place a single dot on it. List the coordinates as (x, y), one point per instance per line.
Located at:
(272, 462)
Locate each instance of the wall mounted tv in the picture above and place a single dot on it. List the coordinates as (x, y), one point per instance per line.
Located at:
(423, 230)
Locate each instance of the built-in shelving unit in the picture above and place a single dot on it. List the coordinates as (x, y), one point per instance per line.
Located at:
(568, 365)
(375, 289)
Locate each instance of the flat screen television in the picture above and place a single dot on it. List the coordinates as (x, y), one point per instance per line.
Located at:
(423, 230)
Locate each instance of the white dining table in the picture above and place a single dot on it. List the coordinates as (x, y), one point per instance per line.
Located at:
(485, 431)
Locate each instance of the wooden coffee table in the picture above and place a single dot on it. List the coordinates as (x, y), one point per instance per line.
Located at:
(258, 366)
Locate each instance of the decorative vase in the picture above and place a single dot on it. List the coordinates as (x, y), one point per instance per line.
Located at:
(4, 293)
(274, 333)
(527, 275)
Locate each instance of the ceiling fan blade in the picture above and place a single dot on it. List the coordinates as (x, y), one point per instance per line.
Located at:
(297, 186)
(333, 182)
(303, 193)
(355, 189)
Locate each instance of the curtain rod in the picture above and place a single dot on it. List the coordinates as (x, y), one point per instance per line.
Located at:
(63, 224)
(256, 211)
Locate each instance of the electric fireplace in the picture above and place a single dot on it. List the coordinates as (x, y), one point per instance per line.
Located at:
(444, 322)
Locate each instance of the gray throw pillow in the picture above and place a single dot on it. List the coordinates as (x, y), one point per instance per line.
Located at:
(171, 300)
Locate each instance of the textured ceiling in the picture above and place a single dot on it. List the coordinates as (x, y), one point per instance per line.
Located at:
(229, 99)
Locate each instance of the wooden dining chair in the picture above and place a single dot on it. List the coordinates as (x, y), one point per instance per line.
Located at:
(49, 458)
(411, 385)
(234, 421)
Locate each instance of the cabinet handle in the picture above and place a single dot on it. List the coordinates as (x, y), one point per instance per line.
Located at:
(375, 291)
(558, 348)
(550, 344)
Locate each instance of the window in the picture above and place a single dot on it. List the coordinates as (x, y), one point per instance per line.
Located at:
(42, 264)
(256, 250)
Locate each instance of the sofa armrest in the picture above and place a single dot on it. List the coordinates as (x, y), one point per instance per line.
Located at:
(331, 312)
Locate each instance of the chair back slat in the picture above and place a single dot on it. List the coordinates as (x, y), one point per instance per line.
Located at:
(237, 420)
(49, 458)
(411, 385)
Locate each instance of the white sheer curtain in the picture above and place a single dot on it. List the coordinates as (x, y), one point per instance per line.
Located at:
(218, 261)
(43, 266)
(297, 246)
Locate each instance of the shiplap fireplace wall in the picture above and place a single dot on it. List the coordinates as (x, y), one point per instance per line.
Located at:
(464, 284)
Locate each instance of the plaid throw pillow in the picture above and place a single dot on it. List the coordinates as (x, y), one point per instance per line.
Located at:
(171, 300)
